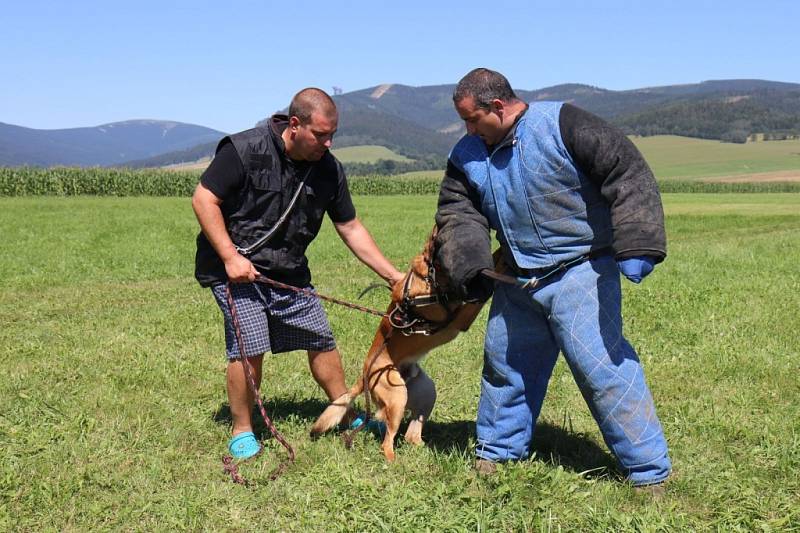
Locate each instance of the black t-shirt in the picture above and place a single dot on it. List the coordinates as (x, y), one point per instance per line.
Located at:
(225, 176)
(283, 256)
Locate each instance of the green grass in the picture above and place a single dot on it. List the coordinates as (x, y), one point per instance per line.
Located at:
(367, 154)
(115, 418)
(682, 157)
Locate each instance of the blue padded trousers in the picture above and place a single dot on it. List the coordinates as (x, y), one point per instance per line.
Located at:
(577, 312)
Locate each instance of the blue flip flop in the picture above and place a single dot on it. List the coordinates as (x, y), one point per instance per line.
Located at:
(244, 446)
(376, 426)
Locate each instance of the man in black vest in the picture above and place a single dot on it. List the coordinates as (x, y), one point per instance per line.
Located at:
(246, 190)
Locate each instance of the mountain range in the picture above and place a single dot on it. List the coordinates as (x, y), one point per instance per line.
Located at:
(108, 144)
(420, 122)
(416, 121)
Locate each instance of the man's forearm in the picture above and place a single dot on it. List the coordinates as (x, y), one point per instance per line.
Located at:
(363, 246)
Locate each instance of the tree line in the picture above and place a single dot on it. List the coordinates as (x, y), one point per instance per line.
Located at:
(388, 167)
(731, 119)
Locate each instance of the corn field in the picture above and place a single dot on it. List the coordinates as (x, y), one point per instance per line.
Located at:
(94, 181)
(98, 181)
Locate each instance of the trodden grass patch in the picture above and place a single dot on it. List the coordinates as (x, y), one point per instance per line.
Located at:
(115, 417)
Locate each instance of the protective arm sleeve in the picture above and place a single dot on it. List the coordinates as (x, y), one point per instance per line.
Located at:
(611, 161)
(463, 245)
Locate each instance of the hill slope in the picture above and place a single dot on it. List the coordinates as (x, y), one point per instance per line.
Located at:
(420, 123)
(107, 144)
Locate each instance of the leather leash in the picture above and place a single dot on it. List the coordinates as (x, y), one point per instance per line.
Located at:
(260, 278)
(533, 282)
(229, 466)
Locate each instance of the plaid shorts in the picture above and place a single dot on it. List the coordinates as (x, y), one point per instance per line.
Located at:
(273, 320)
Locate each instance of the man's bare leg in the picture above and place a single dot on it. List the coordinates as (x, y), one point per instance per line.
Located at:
(240, 397)
(326, 367)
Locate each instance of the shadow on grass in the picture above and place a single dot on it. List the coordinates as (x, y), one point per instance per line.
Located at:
(278, 409)
(552, 444)
(574, 451)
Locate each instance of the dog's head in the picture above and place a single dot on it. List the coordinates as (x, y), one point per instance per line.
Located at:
(422, 263)
(421, 282)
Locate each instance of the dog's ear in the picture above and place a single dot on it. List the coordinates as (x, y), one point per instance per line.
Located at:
(420, 265)
(429, 249)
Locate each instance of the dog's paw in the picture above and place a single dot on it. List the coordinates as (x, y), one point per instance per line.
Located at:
(414, 433)
(389, 454)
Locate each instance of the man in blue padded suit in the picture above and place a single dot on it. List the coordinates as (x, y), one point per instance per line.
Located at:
(574, 204)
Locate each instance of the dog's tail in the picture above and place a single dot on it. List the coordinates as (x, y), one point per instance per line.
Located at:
(334, 413)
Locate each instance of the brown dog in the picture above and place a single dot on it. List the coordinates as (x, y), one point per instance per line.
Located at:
(420, 318)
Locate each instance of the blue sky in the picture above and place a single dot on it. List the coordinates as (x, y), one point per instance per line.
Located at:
(229, 64)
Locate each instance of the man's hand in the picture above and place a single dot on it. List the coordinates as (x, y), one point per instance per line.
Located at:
(206, 206)
(240, 269)
(395, 277)
(636, 268)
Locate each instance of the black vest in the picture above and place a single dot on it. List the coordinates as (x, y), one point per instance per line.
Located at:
(271, 180)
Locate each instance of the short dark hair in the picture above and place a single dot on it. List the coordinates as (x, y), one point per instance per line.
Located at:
(484, 85)
(309, 100)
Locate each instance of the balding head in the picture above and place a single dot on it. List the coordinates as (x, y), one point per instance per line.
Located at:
(312, 124)
(311, 100)
(487, 104)
(484, 85)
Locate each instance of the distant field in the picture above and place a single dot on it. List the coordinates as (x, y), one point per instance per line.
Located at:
(349, 154)
(367, 154)
(673, 157)
(683, 157)
(670, 157)
(422, 174)
(199, 165)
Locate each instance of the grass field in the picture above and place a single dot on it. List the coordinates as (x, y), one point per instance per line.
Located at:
(114, 411)
(683, 157)
(367, 154)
